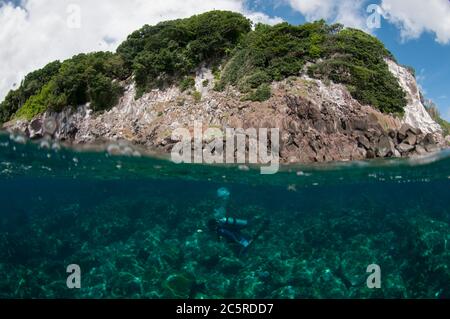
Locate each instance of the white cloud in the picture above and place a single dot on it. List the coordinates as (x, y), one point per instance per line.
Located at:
(348, 12)
(258, 17)
(414, 17)
(39, 31)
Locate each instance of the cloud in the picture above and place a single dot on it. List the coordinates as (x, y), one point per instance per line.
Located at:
(348, 12)
(40, 31)
(258, 17)
(414, 17)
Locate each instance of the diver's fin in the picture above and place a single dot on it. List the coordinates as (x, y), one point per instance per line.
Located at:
(257, 235)
(245, 248)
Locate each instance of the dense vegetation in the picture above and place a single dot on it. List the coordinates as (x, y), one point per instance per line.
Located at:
(169, 52)
(273, 53)
(346, 56)
(356, 59)
(84, 78)
(436, 116)
(172, 50)
(31, 85)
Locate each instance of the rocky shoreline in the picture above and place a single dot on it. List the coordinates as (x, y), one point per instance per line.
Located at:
(318, 122)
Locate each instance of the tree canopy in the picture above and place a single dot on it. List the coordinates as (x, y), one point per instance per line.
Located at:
(347, 56)
(173, 49)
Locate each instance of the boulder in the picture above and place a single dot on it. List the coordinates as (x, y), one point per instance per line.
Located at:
(428, 139)
(364, 141)
(420, 150)
(410, 139)
(405, 130)
(50, 126)
(392, 134)
(416, 131)
(397, 154)
(432, 148)
(447, 140)
(385, 146)
(405, 148)
(370, 154)
(35, 129)
(359, 125)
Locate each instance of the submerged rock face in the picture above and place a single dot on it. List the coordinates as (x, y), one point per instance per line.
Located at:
(318, 122)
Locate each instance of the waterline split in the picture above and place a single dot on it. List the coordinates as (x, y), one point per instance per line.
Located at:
(235, 146)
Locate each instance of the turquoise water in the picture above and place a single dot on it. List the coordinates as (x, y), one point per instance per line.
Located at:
(138, 227)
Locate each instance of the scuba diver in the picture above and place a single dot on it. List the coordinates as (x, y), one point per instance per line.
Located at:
(232, 228)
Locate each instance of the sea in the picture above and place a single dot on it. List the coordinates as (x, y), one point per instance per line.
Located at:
(88, 224)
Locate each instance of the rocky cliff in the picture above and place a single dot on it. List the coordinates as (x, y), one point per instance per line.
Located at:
(319, 121)
(335, 93)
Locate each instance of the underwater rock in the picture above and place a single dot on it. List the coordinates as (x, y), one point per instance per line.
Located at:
(179, 286)
(288, 292)
(230, 265)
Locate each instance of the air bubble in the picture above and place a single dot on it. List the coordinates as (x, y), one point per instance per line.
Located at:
(136, 154)
(113, 149)
(44, 144)
(243, 168)
(18, 139)
(56, 147)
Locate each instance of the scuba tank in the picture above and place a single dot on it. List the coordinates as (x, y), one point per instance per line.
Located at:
(233, 222)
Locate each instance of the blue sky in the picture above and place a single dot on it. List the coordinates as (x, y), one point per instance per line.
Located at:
(417, 32)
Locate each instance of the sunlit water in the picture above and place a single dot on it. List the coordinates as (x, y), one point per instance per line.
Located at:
(138, 227)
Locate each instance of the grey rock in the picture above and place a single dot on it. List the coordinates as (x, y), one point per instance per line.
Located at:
(420, 150)
(410, 139)
(405, 148)
(364, 141)
(35, 128)
(406, 130)
(385, 146)
(392, 134)
(428, 140)
(370, 154)
(403, 131)
(431, 148)
(50, 125)
(359, 124)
